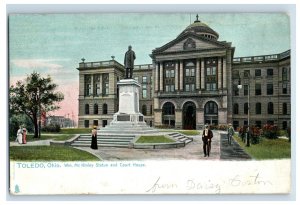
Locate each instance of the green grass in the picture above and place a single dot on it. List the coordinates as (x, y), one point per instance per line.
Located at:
(49, 153)
(154, 139)
(185, 132)
(267, 149)
(57, 137)
(75, 130)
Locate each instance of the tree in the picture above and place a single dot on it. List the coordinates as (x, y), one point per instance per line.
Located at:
(33, 96)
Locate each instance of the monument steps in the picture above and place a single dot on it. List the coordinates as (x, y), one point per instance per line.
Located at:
(181, 137)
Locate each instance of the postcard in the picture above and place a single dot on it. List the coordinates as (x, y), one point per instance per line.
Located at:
(148, 103)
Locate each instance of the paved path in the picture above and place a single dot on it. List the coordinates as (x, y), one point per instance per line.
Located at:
(191, 151)
(233, 151)
(32, 143)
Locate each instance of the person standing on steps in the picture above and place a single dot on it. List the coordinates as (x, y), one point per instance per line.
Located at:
(207, 135)
(230, 133)
(94, 144)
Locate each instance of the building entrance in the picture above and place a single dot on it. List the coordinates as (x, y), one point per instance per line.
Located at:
(189, 116)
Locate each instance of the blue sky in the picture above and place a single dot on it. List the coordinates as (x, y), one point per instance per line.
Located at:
(54, 43)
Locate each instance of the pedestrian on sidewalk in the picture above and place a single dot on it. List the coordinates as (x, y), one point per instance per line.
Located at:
(207, 135)
(94, 144)
(19, 135)
(24, 134)
(230, 133)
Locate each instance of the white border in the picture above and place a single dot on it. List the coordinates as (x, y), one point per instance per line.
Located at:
(63, 6)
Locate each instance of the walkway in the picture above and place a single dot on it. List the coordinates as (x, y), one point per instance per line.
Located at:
(192, 151)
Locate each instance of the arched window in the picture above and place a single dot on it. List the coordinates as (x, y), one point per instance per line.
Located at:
(104, 109)
(258, 108)
(96, 109)
(246, 108)
(144, 110)
(211, 108)
(236, 109)
(270, 108)
(87, 109)
(284, 108)
(168, 109)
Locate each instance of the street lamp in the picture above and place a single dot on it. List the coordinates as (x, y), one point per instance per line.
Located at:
(240, 86)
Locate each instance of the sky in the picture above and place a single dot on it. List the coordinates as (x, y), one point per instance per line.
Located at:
(55, 43)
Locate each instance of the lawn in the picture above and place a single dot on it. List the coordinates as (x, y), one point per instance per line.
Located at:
(185, 132)
(56, 137)
(154, 139)
(267, 148)
(49, 153)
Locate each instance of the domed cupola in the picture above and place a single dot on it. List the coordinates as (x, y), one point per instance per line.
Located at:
(201, 29)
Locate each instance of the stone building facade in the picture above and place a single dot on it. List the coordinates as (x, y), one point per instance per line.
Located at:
(192, 81)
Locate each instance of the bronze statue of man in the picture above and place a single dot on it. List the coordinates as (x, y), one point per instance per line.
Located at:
(129, 62)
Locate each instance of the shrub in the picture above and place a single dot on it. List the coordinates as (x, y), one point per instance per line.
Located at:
(255, 135)
(51, 128)
(270, 131)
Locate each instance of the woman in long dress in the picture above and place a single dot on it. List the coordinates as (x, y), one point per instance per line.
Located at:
(19, 135)
(24, 135)
(94, 144)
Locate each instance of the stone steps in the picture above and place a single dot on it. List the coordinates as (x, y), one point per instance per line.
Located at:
(181, 137)
(107, 140)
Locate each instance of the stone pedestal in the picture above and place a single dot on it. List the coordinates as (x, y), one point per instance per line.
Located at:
(128, 120)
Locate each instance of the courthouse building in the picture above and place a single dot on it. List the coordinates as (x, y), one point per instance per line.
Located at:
(193, 80)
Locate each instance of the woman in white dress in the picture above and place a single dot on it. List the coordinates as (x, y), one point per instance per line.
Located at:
(20, 135)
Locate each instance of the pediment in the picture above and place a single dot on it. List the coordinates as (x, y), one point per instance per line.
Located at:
(190, 42)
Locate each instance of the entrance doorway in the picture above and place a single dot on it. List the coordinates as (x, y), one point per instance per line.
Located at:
(211, 113)
(189, 116)
(168, 115)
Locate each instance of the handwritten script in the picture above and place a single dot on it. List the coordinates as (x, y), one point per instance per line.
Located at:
(201, 185)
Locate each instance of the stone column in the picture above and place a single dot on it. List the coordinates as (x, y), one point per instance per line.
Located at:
(176, 75)
(219, 73)
(157, 117)
(202, 74)
(156, 76)
(111, 83)
(200, 118)
(161, 79)
(181, 75)
(224, 73)
(92, 84)
(82, 85)
(197, 74)
(178, 118)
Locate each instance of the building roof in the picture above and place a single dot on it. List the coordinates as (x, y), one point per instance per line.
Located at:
(201, 28)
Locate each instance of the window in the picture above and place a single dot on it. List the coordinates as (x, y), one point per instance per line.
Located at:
(144, 110)
(284, 74)
(144, 92)
(246, 90)
(246, 73)
(95, 122)
(169, 80)
(270, 122)
(168, 109)
(258, 124)
(235, 74)
(87, 109)
(97, 84)
(189, 77)
(104, 123)
(105, 88)
(257, 72)
(211, 108)
(104, 109)
(88, 89)
(284, 125)
(211, 74)
(245, 122)
(97, 88)
(235, 90)
(284, 88)
(87, 85)
(235, 124)
(245, 108)
(144, 79)
(236, 109)
(269, 89)
(269, 72)
(270, 108)
(86, 123)
(257, 89)
(96, 109)
(284, 108)
(258, 108)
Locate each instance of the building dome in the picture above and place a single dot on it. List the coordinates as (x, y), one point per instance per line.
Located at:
(202, 29)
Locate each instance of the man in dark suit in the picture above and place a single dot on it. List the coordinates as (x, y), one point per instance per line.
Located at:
(129, 62)
(206, 138)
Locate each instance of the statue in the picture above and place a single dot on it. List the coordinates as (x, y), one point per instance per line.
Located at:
(129, 62)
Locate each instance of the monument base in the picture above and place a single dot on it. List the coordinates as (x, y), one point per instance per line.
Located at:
(128, 120)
